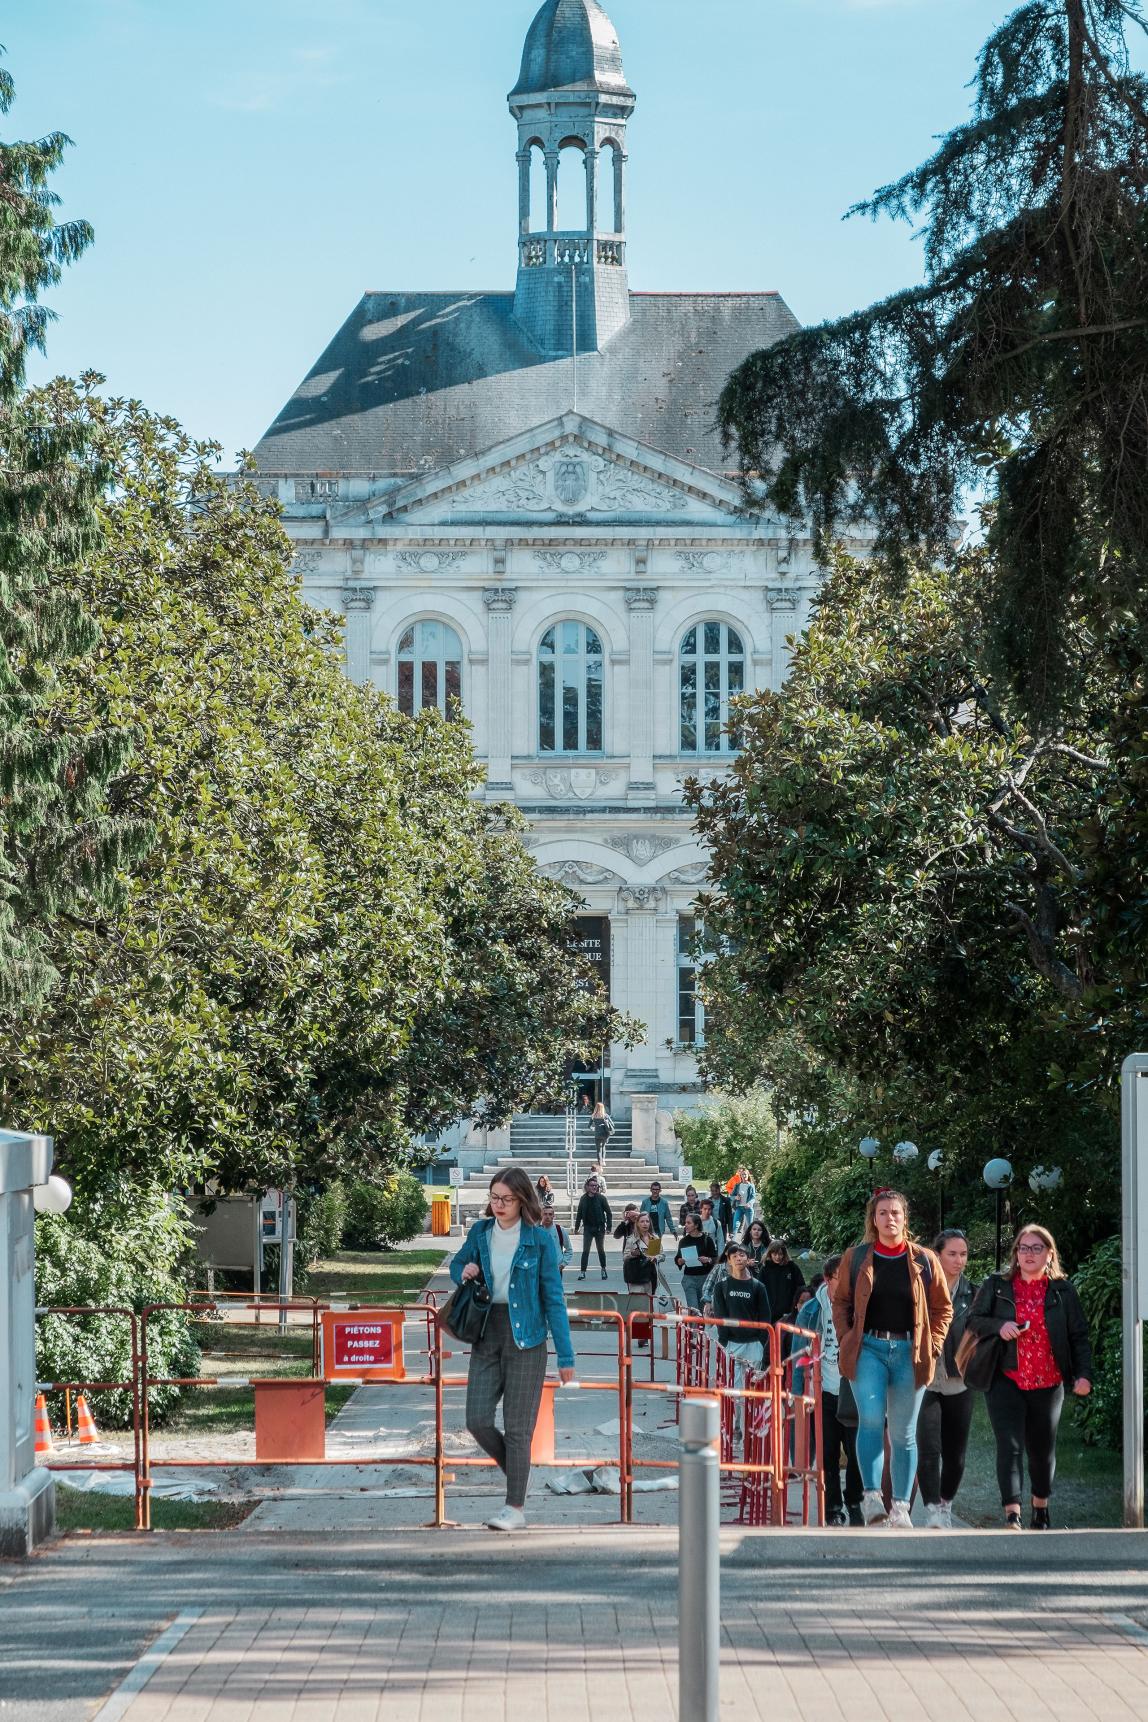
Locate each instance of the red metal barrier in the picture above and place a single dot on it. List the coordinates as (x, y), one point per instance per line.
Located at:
(135, 1464)
(799, 1426)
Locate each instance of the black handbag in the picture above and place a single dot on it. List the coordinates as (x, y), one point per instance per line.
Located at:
(466, 1311)
(978, 1358)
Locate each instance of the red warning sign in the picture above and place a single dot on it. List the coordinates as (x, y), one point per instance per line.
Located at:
(363, 1345)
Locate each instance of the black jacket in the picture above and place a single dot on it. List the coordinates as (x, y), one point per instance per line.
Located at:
(593, 1213)
(723, 1211)
(782, 1282)
(962, 1303)
(744, 1300)
(1067, 1328)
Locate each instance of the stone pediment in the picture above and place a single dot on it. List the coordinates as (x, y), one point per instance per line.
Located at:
(570, 470)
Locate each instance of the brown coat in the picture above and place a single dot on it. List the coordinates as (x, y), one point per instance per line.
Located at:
(932, 1310)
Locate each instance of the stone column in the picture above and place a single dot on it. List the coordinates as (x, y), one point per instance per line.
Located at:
(499, 601)
(358, 601)
(640, 602)
(592, 195)
(642, 904)
(552, 159)
(27, 1496)
(524, 156)
(644, 1124)
(783, 623)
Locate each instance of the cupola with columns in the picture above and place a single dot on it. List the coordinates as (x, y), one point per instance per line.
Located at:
(572, 104)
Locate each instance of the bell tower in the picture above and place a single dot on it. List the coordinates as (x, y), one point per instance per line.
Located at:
(572, 104)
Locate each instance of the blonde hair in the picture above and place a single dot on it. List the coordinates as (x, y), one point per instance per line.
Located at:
(871, 1233)
(1053, 1269)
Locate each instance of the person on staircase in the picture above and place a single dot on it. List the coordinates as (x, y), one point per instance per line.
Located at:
(593, 1220)
(603, 1127)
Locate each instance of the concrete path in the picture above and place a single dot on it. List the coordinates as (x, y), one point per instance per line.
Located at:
(466, 1627)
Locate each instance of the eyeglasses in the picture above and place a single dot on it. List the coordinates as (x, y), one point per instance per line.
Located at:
(501, 1201)
(1031, 1249)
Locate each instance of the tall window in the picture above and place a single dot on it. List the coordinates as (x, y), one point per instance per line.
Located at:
(571, 690)
(430, 669)
(691, 1011)
(712, 670)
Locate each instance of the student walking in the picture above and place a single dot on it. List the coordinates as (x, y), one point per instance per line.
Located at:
(757, 1244)
(695, 1258)
(740, 1298)
(710, 1226)
(783, 1280)
(640, 1254)
(511, 1253)
(545, 1192)
(743, 1197)
(593, 1219)
(723, 1210)
(837, 1437)
(947, 1408)
(603, 1127)
(1033, 1311)
(691, 1205)
(658, 1208)
(565, 1248)
(892, 1311)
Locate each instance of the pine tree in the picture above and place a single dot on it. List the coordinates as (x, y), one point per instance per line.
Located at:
(1019, 368)
(60, 847)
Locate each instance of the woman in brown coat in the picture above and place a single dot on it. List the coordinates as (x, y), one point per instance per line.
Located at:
(891, 1309)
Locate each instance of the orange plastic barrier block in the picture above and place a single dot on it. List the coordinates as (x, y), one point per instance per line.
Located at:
(542, 1445)
(289, 1420)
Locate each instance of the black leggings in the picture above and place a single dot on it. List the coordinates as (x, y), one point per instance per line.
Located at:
(834, 1437)
(1024, 1421)
(942, 1442)
(593, 1236)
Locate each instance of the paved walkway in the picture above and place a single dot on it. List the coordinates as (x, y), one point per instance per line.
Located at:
(466, 1627)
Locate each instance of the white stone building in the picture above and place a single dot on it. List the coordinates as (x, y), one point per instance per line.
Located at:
(519, 501)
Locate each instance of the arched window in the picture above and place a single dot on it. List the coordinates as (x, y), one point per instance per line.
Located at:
(430, 669)
(571, 690)
(539, 216)
(573, 191)
(712, 670)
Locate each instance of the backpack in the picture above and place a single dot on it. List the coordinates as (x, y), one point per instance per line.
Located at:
(610, 1126)
(861, 1255)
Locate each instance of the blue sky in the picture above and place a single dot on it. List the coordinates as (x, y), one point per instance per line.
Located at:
(251, 166)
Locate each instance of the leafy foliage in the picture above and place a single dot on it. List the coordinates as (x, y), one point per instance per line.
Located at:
(1099, 1283)
(1019, 364)
(60, 851)
(378, 1216)
(735, 1130)
(128, 1249)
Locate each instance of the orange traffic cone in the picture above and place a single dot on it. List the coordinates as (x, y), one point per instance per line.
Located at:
(85, 1422)
(44, 1445)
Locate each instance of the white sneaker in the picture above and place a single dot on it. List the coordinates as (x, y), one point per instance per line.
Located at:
(947, 1509)
(935, 1519)
(507, 1518)
(873, 1507)
(899, 1519)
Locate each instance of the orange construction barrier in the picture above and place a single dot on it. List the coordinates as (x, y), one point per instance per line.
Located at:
(43, 1429)
(85, 1422)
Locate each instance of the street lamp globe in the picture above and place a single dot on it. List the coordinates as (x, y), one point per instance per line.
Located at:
(998, 1174)
(54, 1197)
(868, 1146)
(905, 1153)
(936, 1160)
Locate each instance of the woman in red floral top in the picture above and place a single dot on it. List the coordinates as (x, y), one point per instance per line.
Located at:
(1034, 1310)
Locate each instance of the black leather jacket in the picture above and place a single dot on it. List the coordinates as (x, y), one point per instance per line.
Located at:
(1064, 1318)
(963, 1297)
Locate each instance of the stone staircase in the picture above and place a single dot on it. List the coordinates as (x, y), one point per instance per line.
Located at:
(538, 1144)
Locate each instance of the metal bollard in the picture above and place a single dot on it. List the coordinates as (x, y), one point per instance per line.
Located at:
(699, 1564)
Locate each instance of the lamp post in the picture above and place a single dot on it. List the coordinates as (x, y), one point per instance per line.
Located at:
(867, 1148)
(936, 1163)
(998, 1177)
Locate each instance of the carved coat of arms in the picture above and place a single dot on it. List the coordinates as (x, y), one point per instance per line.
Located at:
(571, 481)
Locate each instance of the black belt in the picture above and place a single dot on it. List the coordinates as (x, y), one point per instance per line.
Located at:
(882, 1333)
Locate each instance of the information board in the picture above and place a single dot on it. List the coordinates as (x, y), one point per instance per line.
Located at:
(363, 1345)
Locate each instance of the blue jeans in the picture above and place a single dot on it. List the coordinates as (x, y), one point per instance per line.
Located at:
(885, 1386)
(742, 1218)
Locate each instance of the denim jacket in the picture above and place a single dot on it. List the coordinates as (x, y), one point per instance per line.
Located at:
(536, 1297)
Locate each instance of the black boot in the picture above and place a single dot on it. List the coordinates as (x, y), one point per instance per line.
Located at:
(1040, 1519)
(856, 1518)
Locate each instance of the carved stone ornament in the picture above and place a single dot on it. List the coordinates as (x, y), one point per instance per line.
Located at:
(642, 899)
(307, 561)
(704, 561)
(641, 597)
(500, 597)
(575, 873)
(694, 875)
(571, 783)
(430, 561)
(570, 561)
(572, 481)
(785, 600)
(643, 849)
(358, 597)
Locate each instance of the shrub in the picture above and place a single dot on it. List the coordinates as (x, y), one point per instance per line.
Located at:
(1098, 1281)
(738, 1130)
(114, 1255)
(382, 1215)
(322, 1220)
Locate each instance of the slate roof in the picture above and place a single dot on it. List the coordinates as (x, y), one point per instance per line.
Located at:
(415, 381)
(571, 45)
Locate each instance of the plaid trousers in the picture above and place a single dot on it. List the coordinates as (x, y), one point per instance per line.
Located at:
(499, 1370)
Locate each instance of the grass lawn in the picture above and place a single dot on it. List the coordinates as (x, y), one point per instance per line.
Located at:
(80, 1512)
(395, 1278)
(1089, 1480)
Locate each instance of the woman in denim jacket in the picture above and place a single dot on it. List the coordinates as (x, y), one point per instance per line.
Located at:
(516, 1258)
